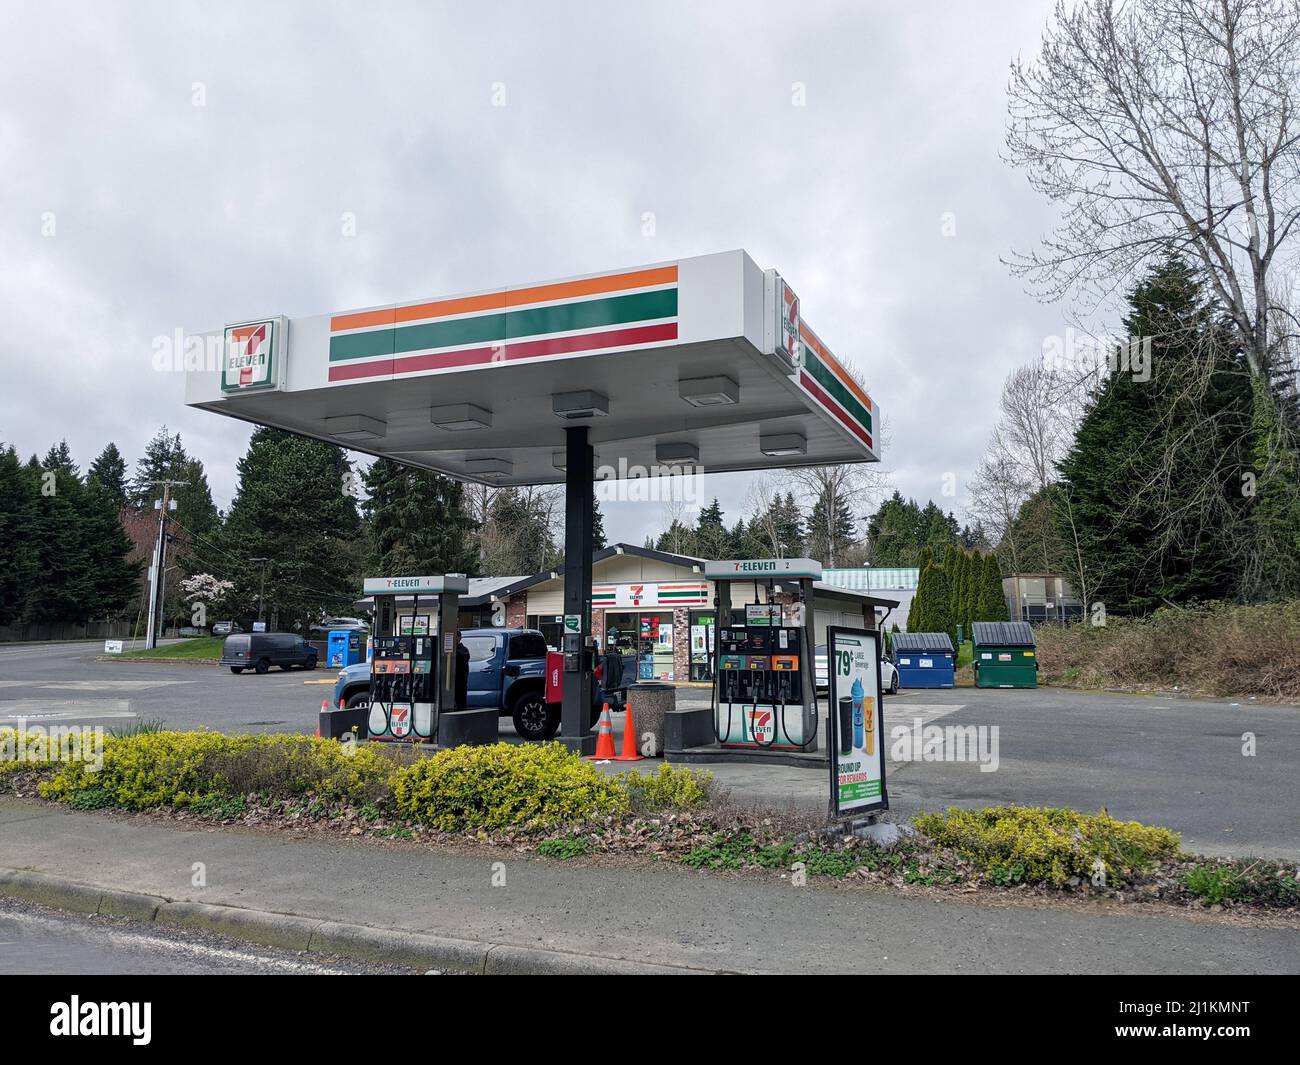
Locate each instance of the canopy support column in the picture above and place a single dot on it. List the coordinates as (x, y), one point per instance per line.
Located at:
(579, 478)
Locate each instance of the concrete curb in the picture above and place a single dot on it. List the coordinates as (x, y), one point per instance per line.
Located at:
(125, 658)
(313, 936)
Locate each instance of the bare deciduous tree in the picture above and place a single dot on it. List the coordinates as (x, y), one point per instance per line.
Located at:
(1159, 126)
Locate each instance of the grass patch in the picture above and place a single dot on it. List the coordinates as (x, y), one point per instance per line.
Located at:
(563, 848)
(219, 807)
(193, 649)
(91, 799)
(1249, 880)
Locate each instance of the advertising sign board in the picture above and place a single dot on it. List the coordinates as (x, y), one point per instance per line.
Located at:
(857, 722)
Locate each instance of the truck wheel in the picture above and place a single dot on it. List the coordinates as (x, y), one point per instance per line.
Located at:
(263, 666)
(236, 670)
(311, 663)
(534, 718)
(357, 700)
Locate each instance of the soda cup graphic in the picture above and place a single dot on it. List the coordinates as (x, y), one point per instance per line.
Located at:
(846, 724)
(857, 693)
(869, 723)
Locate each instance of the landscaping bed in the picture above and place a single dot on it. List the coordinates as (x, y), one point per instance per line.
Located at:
(540, 798)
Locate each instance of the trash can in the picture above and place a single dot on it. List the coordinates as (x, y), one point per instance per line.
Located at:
(650, 702)
(343, 647)
(1004, 654)
(924, 660)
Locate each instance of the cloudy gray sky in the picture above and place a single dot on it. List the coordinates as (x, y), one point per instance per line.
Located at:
(180, 165)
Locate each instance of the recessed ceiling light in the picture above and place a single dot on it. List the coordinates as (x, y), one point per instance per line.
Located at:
(783, 445)
(356, 427)
(460, 417)
(489, 467)
(709, 391)
(580, 404)
(677, 451)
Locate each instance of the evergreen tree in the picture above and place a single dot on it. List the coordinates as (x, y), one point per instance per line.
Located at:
(830, 528)
(711, 538)
(59, 458)
(416, 522)
(114, 582)
(931, 608)
(18, 558)
(597, 525)
(109, 472)
(991, 604)
(64, 567)
(290, 507)
(1150, 503)
(1273, 567)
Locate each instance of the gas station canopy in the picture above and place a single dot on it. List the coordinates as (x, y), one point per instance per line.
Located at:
(704, 362)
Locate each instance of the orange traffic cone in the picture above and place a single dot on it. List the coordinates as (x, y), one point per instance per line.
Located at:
(324, 708)
(604, 738)
(629, 740)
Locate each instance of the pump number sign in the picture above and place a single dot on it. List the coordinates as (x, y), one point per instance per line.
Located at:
(857, 722)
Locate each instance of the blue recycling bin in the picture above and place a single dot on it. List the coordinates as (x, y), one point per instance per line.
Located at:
(924, 659)
(344, 647)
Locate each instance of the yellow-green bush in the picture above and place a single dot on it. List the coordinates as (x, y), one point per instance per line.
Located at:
(670, 787)
(531, 786)
(1049, 845)
(179, 768)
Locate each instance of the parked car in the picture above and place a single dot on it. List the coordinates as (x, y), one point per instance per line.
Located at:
(328, 625)
(225, 628)
(259, 651)
(507, 670)
(821, 677)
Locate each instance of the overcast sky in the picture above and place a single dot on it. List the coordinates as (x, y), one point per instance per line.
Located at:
(172, 165)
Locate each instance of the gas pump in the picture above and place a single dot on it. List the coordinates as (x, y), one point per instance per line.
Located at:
(763, 695)
(412, 674)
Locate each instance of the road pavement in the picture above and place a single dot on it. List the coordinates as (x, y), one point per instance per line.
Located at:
(35, 940)
(1221, 772)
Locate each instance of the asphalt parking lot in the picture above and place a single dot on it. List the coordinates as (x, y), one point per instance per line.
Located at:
(1176, 762)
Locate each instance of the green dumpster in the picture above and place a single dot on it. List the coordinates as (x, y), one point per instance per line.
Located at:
(1004, 655)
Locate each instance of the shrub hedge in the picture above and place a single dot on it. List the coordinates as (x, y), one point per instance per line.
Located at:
(1013, 844)
(502, 785)
(499, 786)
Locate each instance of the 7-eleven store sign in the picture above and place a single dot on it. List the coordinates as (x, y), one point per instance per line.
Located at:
(650, 596)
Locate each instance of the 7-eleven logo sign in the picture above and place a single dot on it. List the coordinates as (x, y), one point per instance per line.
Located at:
(636, 592)
(762, 725)
(249, 355)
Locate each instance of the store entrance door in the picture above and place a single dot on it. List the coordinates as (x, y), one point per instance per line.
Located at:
(645, 640)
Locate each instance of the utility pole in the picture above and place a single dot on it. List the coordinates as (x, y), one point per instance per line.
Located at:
(159, 554)
(261, 591)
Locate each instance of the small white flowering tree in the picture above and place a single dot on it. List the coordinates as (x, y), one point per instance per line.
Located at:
(204, 593)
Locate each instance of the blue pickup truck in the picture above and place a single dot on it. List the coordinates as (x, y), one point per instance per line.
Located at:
(507, 670)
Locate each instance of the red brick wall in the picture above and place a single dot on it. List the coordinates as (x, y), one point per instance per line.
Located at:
(681, 644)
(517, 611)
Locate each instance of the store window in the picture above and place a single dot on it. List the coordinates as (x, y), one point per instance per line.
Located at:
(645, 640)
(702, 636)
(551, 627)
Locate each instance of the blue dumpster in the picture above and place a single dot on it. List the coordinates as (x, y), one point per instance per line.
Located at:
(344, 647)
(924, 660)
